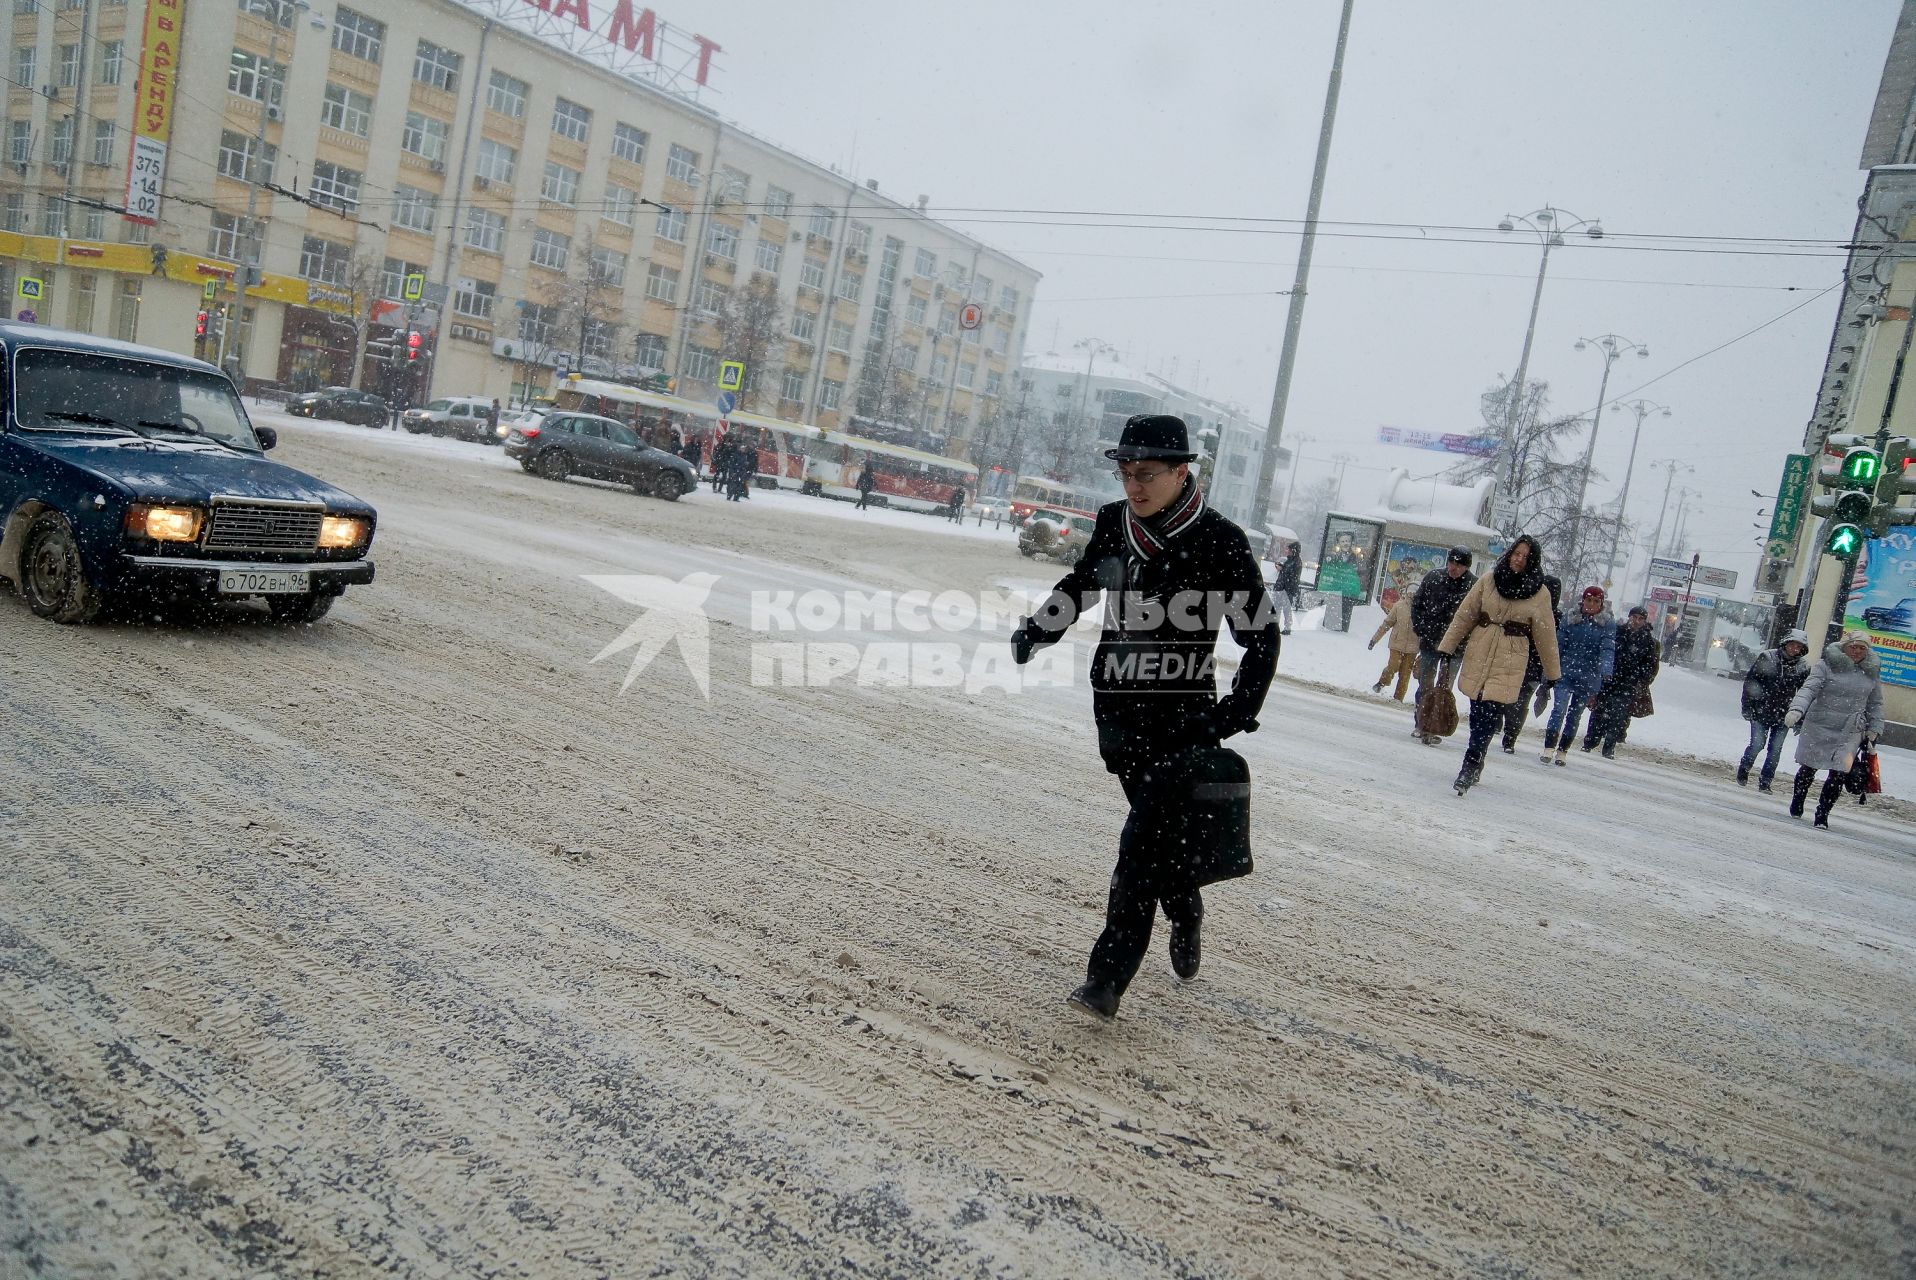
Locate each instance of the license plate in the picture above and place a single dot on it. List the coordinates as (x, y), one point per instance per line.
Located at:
(264, 582)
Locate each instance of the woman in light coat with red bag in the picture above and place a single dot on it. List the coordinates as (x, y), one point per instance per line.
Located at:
(1505, 613)
(1838, 710)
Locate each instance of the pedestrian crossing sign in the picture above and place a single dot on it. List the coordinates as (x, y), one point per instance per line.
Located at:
(28, 288)
(731, 375)
(414, 288)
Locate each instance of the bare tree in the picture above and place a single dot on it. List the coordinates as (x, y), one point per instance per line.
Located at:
(585, 306)
(887, 388)
(1546, 485)
(751, 329)
(1306, 512)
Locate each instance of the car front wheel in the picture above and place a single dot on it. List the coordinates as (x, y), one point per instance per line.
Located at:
(52, 574)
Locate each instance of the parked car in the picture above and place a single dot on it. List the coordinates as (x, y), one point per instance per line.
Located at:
(1056, 534)
(1899, 618)
(128, 474)
(342, 404)
(461, 417)
(512, 418)
(582, 444)
(991, 509)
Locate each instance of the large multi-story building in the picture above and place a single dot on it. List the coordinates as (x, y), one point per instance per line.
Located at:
(553, 212)
(1079, 404)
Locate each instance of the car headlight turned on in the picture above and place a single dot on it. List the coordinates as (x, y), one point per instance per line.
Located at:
(342, 531)
(164, 524)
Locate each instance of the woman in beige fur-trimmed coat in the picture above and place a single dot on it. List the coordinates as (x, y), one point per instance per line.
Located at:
(1506, 612)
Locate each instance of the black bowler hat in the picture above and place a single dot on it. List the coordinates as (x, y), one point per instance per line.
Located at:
(1152, 435)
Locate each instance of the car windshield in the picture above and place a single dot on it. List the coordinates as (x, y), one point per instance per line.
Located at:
(57, 390)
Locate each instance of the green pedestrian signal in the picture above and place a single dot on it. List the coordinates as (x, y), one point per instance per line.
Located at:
(1844, 540)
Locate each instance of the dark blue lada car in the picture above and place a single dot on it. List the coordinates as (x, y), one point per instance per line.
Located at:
(128, 473)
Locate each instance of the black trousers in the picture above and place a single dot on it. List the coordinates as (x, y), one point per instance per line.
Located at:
(1138, 886)
(1519, 711)
(1486, 720)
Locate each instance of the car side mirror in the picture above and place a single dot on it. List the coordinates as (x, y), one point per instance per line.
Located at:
(268, 437)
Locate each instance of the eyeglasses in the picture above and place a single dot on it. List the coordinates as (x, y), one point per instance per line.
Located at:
(1140, 475)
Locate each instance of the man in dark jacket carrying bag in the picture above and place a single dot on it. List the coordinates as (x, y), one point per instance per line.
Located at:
(1431, 610)
(1772, 683)
(1172, 571)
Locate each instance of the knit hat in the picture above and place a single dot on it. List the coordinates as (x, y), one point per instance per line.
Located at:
(1593, 593)
(1460, 555)
(1638, 611)
(1854, 637)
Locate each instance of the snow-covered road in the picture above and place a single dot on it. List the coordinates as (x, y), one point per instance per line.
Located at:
(406, 942)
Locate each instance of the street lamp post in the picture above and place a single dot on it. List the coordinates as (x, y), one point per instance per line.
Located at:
(1642, 408)
(1091, 347)
(1671, 466)
(1297, 460)
(1548, 224)
(1612, 346)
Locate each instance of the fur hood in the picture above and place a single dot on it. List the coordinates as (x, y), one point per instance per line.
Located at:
(1840, 661)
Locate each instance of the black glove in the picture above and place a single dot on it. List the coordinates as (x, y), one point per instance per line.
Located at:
(1022, 643)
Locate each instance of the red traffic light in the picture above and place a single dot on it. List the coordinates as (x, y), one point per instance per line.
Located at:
(199, 326)
(412, 345)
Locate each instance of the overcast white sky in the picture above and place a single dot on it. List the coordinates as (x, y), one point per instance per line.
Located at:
(1714, 118)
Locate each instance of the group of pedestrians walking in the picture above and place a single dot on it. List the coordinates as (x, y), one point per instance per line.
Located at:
(1835, 707)
(734, 463)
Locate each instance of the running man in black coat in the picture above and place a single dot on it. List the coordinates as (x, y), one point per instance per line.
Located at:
(1172, 571)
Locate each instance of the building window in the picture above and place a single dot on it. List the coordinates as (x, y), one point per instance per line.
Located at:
(804, 325)
(707, 296)
(324, 260)
(20, 141)
(60, 146)
(251, 76)
(392, 276)
(53, 216)
(103, 148)
(822, 221)
(671, 225)
(915, 309)
(424, 137)
(769, 256)
(13, 211)
(69, 61)
(967, 374)
(1008, 299)
(628, 144)
(778, 202)
(860, 240)
(536, 324)
(792, 385)
(811, 274)
(415, 210)
(598, 339)
(357, 35)
(485, 230)
(722, 241)
(126, 312)
(507, 95)
(839, 336)
(701, 364)
(474, 298)
(994, 382)
(661, 283)
(830, 392)
(940, 366)
(850, 285)
(237, 157)
(277, 11)
(982, 291)
(621, 204)
(335, 185)
(926, 264)
(682, 163)
(550, 249)
(346, 110)
(497, 162)
(947, 320)
(648, 350)
(110, 56)
(608, 265)
(570, 120)
(908, 358)
(25, 60)
(561, 184)
(432, 65)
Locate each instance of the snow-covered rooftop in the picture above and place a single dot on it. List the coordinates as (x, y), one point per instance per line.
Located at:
(1433, 503)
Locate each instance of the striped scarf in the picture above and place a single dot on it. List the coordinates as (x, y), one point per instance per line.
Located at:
(1148, 537)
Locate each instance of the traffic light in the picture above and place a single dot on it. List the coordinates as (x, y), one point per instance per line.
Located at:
(412, 345)
(199, 326)
(1843, 540)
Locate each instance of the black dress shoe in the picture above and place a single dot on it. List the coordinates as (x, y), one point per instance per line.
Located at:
(1099, 1002)
(1185, 950)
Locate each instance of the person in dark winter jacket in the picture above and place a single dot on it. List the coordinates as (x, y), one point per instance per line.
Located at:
(1290, 575)
(1633, 671)
(721, 461)
(1838, 711)
(867, 481)
(1172, 571)
(1587, 650)
(1504, 615)
(1533, 684)
(1772, 682)
(744, 465)
(1431, 608)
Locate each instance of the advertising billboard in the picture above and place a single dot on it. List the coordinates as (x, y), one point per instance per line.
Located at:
(1405, 564)
(1882, 602)
(153, 95)
(1348, 557)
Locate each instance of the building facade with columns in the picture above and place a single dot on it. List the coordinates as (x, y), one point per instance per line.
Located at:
(554, 211)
